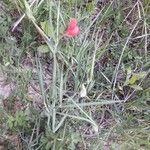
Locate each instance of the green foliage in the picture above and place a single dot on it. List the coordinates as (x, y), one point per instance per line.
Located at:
(135, 77)
(46, 28)
(81, 92)
(5, 21)
(89, 7)
(57, 140)
(43, 49)
(19, 122)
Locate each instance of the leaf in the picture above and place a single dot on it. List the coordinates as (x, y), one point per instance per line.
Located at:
(43, 49)
(136, 87)
(48, 145)
(46, 27)
(141, 74)
(7, 64)
(28, 10)
(129, 73)
(89, 7)
(135, 77)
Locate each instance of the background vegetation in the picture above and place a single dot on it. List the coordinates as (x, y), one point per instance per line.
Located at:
(89, 92)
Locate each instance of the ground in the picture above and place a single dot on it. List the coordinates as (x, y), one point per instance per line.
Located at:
(90, 90)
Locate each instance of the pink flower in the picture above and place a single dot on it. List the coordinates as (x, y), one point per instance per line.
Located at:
(72, 28)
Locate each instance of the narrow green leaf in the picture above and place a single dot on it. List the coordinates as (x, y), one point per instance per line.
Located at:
(28, 10)
(46, 28)
(136, 87)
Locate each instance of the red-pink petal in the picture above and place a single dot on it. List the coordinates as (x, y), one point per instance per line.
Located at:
(72, 33)
(72, 28)
(72, 24)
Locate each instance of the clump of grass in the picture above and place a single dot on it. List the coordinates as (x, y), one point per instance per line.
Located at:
(90, 91)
